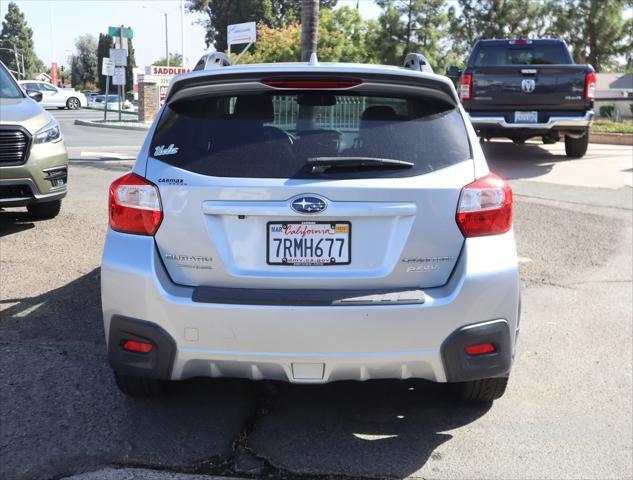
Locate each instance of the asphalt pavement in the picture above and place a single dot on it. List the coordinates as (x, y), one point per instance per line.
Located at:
(567, 412)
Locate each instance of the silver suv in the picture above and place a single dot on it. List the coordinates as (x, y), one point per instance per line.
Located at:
(311, 223)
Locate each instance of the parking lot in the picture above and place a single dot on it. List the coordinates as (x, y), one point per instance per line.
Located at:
(566, 414)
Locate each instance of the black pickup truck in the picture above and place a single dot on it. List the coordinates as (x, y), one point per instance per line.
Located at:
(522, 88)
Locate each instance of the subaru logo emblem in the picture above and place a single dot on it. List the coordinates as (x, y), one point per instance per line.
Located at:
(528, 85)
(308, 204)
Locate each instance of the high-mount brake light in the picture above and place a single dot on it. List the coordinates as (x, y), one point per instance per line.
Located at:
(485, 207)
(466, 86)
(590, 85)
(314, 84)
(135, 205)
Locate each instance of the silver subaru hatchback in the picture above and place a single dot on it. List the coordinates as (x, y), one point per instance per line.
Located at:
(311, 223)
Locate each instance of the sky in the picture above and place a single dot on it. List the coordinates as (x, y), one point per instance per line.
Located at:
(72, 18)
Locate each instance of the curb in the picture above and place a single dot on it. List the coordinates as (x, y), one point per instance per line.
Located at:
(611, 138)
(121, 126)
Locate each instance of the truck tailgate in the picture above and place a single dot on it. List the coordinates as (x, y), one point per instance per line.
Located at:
(529, 87)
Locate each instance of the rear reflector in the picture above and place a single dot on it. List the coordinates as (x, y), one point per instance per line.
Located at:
(135, 205)
(466, 86)
(311, 84)
(480, 349)
(134, 346)
(590, 85)
(485, 207)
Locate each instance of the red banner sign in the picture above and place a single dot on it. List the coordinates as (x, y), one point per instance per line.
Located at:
(54, 76)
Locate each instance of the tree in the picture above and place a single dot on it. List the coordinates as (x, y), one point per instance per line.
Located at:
(16, 35)
(309, 28)
(406, 26)
(103, 51)
(221, 13)
(343, 37)
(595, 30)
(131, 64)
(83, 64)
(175, 60)
(482, 19)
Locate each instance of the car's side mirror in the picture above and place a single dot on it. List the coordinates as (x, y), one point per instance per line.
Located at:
(453, 72)
(34, 94)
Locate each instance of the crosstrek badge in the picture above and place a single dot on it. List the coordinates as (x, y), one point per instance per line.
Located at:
(162, 150)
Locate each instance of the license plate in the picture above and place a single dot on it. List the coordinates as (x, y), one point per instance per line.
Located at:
(309, 243)
(525, 117)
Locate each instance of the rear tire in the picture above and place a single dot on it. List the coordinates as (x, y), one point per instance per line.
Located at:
(139, 386)
(73, 103)
(484, 390)
(576, 147)
(44, 210)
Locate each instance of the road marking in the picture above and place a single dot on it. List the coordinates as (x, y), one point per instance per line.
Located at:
(118, 156)
(29, 310)
(524, 260)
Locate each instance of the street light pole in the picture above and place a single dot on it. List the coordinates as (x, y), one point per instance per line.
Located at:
(166, 41)
(166, 31)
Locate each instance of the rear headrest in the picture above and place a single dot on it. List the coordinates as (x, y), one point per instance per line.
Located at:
(255, 107)
(379, 112)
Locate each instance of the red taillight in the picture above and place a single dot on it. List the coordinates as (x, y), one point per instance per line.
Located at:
(311, 83)
(134, 346)
(466, 86)
(590, 85)
(135, 205)
(485, 207)
(480, 349)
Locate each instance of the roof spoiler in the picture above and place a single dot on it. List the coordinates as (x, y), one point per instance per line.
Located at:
(417, 61)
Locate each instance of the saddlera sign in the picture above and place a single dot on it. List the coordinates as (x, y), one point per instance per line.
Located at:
(163, 76)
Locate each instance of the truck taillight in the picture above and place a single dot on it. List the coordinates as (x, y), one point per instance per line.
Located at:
(590, 85)
(135, 205)
(466, 86)
(485, 207)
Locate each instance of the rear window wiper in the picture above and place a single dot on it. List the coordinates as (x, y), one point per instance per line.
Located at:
(320, 164)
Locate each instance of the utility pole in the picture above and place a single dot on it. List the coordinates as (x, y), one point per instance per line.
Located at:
(182, 30)
(166, 41)
(50, 16)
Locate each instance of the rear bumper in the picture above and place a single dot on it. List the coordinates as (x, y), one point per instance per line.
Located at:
(308, 344)
(563, 123)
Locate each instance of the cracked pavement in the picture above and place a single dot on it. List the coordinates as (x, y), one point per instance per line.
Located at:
(567, 411)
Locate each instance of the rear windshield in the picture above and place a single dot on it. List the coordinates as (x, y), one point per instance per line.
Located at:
(539, 54)
(278, 136)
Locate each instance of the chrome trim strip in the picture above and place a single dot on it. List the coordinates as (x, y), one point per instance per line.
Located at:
(553, 122)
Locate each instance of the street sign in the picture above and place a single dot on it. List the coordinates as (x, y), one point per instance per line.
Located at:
(241, 33)
(116, 32)
(119, 76)
(107, 68)
(118, 56)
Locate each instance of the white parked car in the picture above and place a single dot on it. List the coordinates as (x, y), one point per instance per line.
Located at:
(113, 102)
(53, 96)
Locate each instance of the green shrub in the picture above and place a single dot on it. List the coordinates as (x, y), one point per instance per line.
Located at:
(607, 110)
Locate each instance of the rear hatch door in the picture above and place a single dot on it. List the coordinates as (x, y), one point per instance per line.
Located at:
(329, 188)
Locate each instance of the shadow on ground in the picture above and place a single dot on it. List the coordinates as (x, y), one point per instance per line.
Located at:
(61, 412)
(14, 221)
(514, 162)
